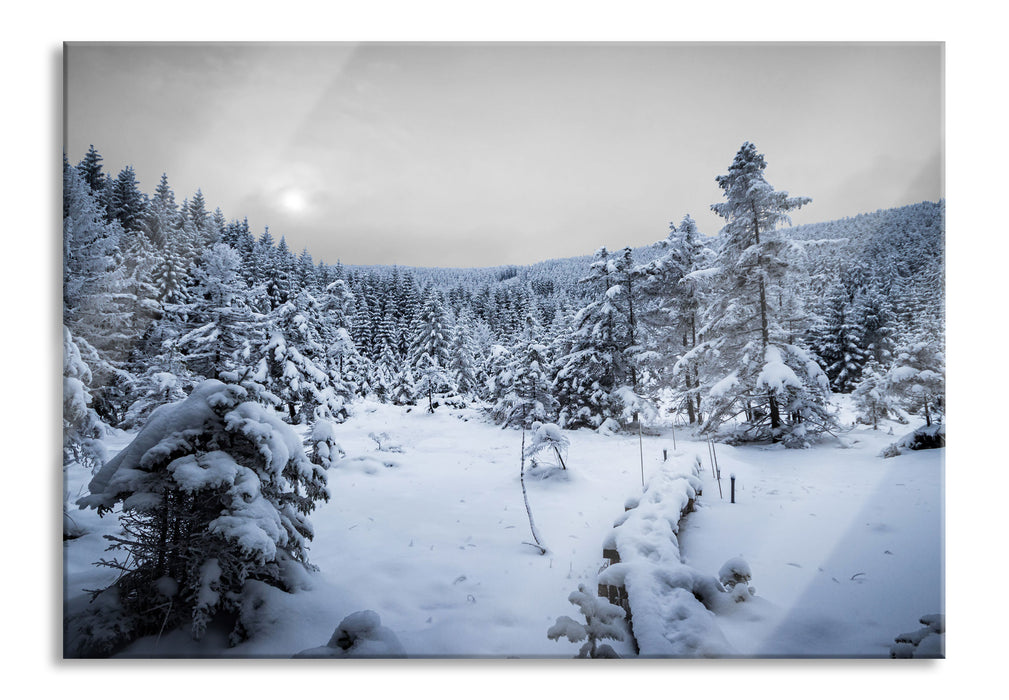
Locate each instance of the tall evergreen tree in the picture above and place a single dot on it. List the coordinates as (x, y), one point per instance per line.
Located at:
(594, 381)
(128, 204)
(752, 370)
(430, 350)
(671, 305)
(90, 169)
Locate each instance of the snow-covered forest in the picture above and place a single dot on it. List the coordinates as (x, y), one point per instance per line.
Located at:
(234, 410)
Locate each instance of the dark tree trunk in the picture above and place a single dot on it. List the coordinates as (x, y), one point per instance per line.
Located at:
(162, 535)
(764, 333)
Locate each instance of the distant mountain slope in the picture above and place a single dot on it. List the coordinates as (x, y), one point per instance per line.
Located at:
(902, 246)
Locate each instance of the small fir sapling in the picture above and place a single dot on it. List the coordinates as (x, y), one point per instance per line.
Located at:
(918, 377)
(325, 450)
(602, 621)
(871, 398)
(547, 436)
(385, 443)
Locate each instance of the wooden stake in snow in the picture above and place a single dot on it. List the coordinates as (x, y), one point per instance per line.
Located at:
(674, 434)
(716, 472)
(525, 497)
(641, 450)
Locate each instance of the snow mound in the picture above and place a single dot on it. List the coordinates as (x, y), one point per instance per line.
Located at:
(360, 635)
(547, 472)
(366, 464)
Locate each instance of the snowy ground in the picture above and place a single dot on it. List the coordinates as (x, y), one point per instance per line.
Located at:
(845, 547)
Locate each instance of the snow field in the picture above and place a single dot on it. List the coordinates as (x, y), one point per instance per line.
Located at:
(845, 547)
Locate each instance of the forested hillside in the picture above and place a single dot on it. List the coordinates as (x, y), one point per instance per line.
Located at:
(159, 295)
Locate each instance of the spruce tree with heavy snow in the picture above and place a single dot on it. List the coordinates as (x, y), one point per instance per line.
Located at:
(215, 494)
(288, 366)
(224, 325)
(90, 169)
(98, 308)
(751, 370)
(671, 303)
(430, 351)
(917, 378)
(837, 341)
(83, 429)
(872, 400)
(162, 221)
(528, 398)
(462, 365)
(128, 205)
(594, 379)
(875, 322)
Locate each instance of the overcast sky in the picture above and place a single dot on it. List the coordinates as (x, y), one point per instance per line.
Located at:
(488, 154)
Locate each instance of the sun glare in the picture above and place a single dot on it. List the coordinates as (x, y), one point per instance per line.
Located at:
(293, 201)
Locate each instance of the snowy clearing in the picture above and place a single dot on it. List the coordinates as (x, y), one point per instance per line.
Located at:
(846, 548)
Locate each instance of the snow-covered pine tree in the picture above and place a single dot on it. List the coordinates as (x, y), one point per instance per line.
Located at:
(196, 212)
(430, 350)
(97, 306)
(462, 365)
(874, 319)
(591, 381)
(671, 300)
(288, 364)
(222, 324)
(128, 205)
(83, 429)
(305, 271)
(751, 369)
(401, 391)
(917, 378)
(837, 341)
(872, 401)
(215, 494)
(90, 169)
(162, 215)
(361, 329)
(529, 398)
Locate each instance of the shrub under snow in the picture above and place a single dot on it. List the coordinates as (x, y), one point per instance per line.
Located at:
(735, 575)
